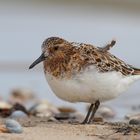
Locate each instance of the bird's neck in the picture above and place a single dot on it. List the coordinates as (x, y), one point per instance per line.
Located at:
(58, 65)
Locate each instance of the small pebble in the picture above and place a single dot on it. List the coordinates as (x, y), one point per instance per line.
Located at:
(134, 121)
(13, 126)
(18, 114)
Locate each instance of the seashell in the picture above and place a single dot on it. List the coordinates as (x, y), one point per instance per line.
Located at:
(44, 109)
(13, 126)
(106, 112)
(4, 105)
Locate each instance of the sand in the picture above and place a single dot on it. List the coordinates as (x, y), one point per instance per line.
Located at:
(41, 129)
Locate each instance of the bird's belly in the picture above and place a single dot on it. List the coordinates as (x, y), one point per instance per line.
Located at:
(89, 86)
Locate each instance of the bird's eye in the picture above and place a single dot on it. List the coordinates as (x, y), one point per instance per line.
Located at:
(55, 48)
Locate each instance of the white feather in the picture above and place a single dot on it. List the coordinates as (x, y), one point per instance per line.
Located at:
(90, 85)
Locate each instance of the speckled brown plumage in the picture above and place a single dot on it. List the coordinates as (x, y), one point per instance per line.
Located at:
(78, 72)
(67, 58)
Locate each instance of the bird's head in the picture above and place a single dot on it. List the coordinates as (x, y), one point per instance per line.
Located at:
(53, 46)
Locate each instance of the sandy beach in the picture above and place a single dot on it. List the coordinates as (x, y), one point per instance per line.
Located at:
(39, 128)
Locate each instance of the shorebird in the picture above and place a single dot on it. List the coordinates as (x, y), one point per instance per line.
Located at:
(78, 72)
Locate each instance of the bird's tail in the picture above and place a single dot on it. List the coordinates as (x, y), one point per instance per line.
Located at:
(136, 71)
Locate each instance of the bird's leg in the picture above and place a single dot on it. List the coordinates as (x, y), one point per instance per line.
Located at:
(108, 46)
(88, 114)
(97, 104)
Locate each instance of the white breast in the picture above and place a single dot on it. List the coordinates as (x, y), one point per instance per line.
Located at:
(90, 86)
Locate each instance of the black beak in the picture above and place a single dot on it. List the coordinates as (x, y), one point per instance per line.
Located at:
(40, 59)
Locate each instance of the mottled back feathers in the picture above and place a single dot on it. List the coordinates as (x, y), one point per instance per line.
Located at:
(70, 58)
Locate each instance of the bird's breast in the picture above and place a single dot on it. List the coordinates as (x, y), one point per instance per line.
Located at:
(89, 85)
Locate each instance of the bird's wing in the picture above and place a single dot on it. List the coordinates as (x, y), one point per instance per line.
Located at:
(105, 61)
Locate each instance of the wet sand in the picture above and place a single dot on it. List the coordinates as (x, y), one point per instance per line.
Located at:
(39, 128)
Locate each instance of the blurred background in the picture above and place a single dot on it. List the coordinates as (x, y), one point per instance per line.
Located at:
(25, 24)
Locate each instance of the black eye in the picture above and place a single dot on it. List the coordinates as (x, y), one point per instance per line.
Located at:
(55, 48)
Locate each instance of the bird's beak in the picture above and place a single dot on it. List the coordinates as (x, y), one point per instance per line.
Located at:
(37, 61)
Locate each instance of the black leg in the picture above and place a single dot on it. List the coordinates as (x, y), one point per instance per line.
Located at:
(97, 104)
(88, 114)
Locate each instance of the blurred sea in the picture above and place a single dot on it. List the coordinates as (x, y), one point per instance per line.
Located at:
(24, 25)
